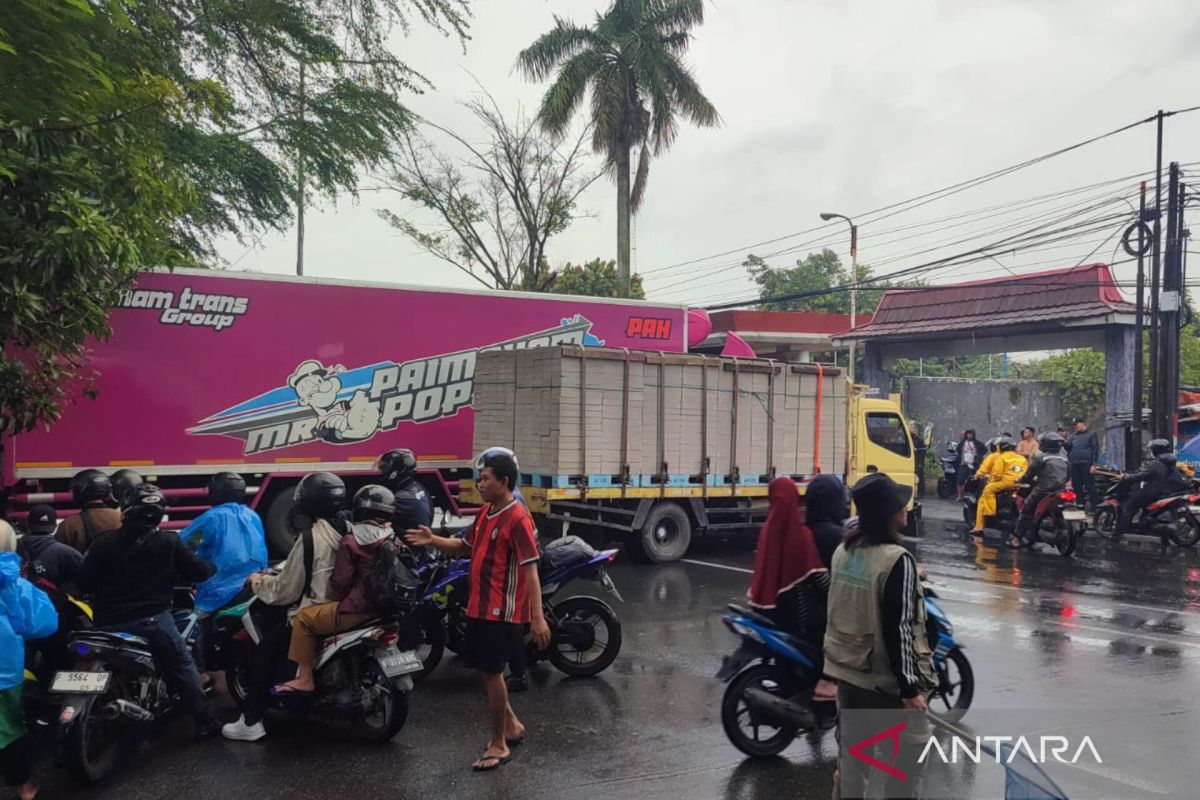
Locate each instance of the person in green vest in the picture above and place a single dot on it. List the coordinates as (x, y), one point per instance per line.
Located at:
(875, 642)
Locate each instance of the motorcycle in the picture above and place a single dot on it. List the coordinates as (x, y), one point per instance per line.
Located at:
(585, 632)
(113, 687)
(772, 676)
(947, 485)
(1058, 521)
(1175, 517)
(361, 674)
(1007, 512)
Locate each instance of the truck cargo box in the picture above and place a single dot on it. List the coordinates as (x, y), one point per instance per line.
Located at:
(604, 416)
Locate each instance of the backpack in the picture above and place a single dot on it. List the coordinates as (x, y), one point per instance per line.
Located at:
(392, 586)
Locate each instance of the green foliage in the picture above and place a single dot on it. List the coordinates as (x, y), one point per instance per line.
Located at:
(1189, 355)
(816, 271)
(1080, 378)
(596, 278)
(132, 134)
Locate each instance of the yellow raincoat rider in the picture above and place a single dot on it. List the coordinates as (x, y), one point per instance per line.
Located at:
(989, 461)
(1006, 470)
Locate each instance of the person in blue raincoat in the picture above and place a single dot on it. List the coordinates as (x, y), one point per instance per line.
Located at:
(25, 613)
(231, 536)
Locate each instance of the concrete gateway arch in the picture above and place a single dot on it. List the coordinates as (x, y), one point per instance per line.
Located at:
(1052, 310)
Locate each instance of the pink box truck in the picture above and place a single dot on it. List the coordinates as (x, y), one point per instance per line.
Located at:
(273, 377)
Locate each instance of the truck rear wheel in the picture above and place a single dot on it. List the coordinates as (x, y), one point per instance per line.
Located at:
(280, 534)
(665, 536)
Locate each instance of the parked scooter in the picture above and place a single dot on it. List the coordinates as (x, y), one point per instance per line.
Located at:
(772, 676)
(947, 485)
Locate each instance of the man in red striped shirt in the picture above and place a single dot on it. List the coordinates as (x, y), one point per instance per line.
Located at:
(505, 595)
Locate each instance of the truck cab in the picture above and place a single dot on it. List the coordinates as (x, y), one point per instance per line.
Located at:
(880, 442)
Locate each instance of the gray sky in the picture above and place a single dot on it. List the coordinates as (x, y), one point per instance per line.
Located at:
(827, 106)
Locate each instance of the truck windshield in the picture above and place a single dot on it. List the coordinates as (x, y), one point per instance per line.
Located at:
(887, 431)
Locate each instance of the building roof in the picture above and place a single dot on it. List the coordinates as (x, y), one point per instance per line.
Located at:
(783, 321)
(1075, 296)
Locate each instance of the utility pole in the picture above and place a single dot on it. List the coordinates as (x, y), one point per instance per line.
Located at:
(300, 180)
(1134, 450)
(1155, 272)
(1170, 306)
(827, 216)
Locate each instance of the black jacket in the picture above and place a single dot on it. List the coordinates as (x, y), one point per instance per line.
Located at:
(1159, 473)
(1083, 448)
(825, 513)
(133, 577)
(49, 559)
(1048, 472)
(413, 508)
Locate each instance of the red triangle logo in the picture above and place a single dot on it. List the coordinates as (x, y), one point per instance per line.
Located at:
(892, 734)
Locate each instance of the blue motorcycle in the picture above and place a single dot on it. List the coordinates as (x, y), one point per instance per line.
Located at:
(585, 631)
(772, 676)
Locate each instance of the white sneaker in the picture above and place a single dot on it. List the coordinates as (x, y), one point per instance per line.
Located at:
(242, 732)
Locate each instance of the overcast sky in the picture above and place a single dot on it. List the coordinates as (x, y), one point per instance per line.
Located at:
(840, 106)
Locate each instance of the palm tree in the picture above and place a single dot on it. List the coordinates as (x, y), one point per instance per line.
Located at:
(632, 61)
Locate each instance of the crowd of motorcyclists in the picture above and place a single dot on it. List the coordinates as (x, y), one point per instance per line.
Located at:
(1056, 461)
(115, 554)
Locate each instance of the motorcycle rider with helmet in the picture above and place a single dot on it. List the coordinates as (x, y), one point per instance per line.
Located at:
(229, 535)
(350, 603)
(122, 481)
(1006, 469)
(1158, 478)
(131, 573)
(92, 492)
(301, 581)
(1048, 472)
(399, 471)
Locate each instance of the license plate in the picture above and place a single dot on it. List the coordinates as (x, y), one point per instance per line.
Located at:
(396, 663)
(1074, 515)
(79, 682)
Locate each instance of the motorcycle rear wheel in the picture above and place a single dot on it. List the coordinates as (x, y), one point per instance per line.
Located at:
(1066, 536)
(392, 707)
(606, 629)
(945, 489)
(735, 713)
(93, 744)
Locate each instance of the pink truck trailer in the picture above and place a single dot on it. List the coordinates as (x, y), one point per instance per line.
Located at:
(273, 377)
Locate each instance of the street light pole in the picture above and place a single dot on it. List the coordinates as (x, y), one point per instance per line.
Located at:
(853, 280)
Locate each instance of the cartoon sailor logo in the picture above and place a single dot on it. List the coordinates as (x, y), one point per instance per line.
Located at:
(339, 421)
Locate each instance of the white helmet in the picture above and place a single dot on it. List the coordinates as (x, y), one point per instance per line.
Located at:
(491, 451)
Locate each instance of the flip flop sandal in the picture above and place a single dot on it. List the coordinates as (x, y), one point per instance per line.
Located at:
(497, 762)
(516, 740)
(287, 691)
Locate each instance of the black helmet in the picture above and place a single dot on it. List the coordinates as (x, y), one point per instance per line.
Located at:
(89, 486)
(396, 466)
(1005, 443)
(122, 481)
(226, 487)
(320, 494)
(1051, 442)
(373, 503)
(1158, 447)
(143, 508)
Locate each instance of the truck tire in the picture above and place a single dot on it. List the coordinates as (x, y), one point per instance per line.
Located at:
(280, 535)
(665, 536)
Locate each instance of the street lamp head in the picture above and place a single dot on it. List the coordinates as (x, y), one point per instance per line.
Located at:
(825, 215)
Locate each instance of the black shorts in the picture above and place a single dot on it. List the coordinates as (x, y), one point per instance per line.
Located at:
(490, 644)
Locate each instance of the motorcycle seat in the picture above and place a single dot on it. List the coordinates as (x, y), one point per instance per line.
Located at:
(111, 639)
(752, 615)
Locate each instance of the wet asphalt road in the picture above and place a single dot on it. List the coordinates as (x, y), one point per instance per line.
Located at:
(1113, 633)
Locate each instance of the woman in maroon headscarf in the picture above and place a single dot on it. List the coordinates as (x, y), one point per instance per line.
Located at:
(790, 582)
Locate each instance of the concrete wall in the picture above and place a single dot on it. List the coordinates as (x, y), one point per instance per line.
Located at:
(952, 405)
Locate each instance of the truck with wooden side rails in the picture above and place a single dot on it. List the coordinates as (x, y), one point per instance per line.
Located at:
(653, 448)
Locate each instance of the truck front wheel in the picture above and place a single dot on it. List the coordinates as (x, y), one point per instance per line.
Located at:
(665, 536)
